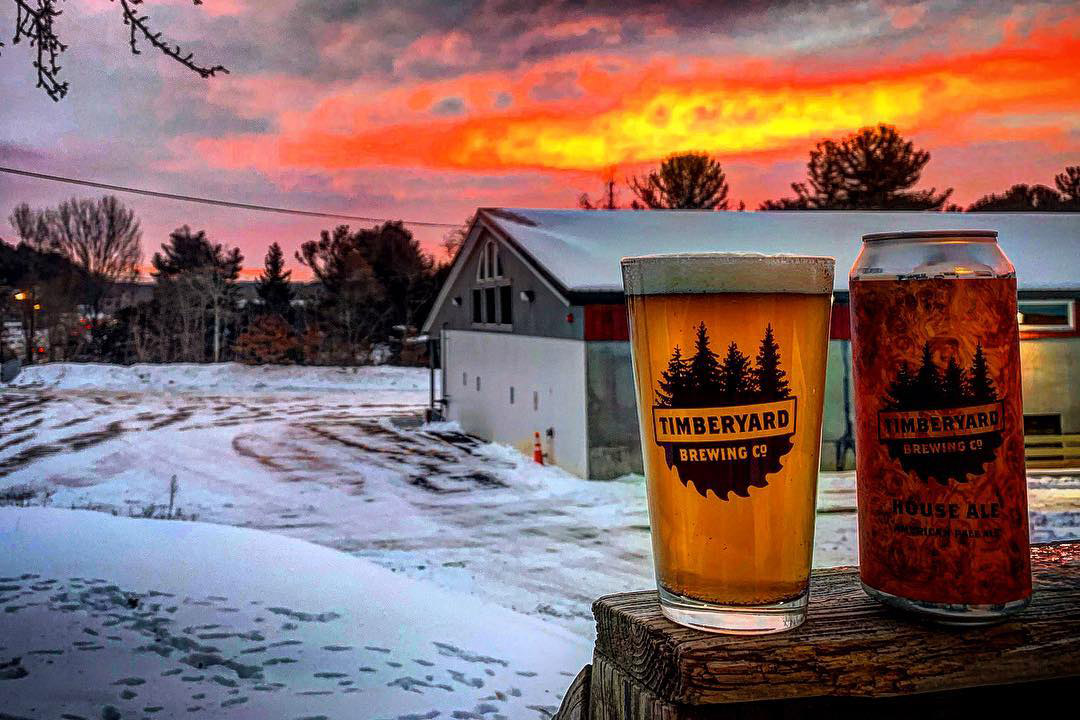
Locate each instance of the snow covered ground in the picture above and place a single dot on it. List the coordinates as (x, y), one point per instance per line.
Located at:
(229, 378)
(183, 619)
(340, 459)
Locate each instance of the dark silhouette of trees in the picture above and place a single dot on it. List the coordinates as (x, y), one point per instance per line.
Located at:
(1068, 185)
(48, 282)
(902, 389)
(34, 22)
(674, 381)
(273, 286)
(687, 181)
(980, 384)
(372, 280)
(928, 379)
(771, 381)
(706, 380)
(1020, 198)
(872, 169)
(609, 198)
(196, 282)
(102, 237)
(454, 239)
(30, 226)
(736, 377)
(929, 387)
(954, 384)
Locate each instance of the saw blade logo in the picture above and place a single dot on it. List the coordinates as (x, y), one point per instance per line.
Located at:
(943, 423)
(725, 423)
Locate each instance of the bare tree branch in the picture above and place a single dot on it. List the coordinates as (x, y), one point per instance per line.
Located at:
(139, 26)
(34, 22)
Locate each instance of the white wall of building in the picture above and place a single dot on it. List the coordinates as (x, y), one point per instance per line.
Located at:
(548, 380)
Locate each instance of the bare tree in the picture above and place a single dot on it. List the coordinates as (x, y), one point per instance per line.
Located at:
(454, 239)
(34, 21)
(102, 238)
(609, 200)
(30, 226)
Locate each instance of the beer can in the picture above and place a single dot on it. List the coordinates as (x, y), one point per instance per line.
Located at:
(939, 441)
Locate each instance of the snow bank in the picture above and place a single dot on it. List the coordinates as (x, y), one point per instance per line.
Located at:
(137, 614)
(226, 378)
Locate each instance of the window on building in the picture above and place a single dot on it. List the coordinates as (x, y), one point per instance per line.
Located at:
(493, 299)
(477, 383)
(506, 305)
(511, 394)
(489, 305)
(1047, 315)
(465, 379)
(536, 400)
(1048, 424)
(1042, 435)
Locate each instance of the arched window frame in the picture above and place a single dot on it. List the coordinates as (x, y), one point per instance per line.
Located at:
(492, 292)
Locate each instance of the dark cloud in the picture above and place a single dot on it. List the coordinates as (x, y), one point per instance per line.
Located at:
(449, 106)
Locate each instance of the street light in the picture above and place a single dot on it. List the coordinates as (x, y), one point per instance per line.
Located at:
(20, 295)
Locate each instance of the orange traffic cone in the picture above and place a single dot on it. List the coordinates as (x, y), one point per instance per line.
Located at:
(538, 452)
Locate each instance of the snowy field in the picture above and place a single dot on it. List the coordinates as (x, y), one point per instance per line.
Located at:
(339, 458)
(120, 617)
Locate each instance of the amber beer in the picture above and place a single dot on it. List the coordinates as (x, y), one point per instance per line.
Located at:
(942, 490)
(729, 359)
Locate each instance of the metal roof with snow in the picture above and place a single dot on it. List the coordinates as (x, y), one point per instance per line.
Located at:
(580, 250)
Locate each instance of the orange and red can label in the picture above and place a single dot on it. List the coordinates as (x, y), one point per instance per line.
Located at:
(942, 489)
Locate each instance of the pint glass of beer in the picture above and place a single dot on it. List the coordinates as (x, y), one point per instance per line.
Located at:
(729, 356)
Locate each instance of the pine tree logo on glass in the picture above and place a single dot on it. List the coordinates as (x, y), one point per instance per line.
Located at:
(725, 424)
(942, 423)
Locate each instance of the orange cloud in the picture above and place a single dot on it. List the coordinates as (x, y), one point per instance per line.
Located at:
(634, 115)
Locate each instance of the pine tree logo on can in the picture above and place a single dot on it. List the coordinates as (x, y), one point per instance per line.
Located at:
(725, 423)
(942, 423)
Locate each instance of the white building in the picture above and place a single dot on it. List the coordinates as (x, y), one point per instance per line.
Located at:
(530, 326)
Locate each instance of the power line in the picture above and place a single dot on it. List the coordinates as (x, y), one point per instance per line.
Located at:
(214, 201)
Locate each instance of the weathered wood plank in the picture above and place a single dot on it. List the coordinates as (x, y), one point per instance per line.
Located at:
(614, 696)
(849, 645)
(575, 704)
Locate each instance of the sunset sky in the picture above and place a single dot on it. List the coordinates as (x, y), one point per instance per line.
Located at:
(425, 110)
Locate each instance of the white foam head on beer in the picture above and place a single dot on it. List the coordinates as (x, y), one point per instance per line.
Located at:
(727, 272)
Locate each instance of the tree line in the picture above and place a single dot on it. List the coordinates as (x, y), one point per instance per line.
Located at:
(928, 386)
(875, 168)
(64, 282)
(706, 380)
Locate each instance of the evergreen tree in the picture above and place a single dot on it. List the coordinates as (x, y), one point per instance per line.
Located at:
(927, 387)
(954, 384)
(269, 339)
(1020, 198)
(273, 285)
(873, 169)
(1068, 185)
(771, 380)
(704, 371)
(674, 382)
(686, 181)
(902, 387)
(736, 377)
(981, 387)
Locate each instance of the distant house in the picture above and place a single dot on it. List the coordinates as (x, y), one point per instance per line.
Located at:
(530, 326)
